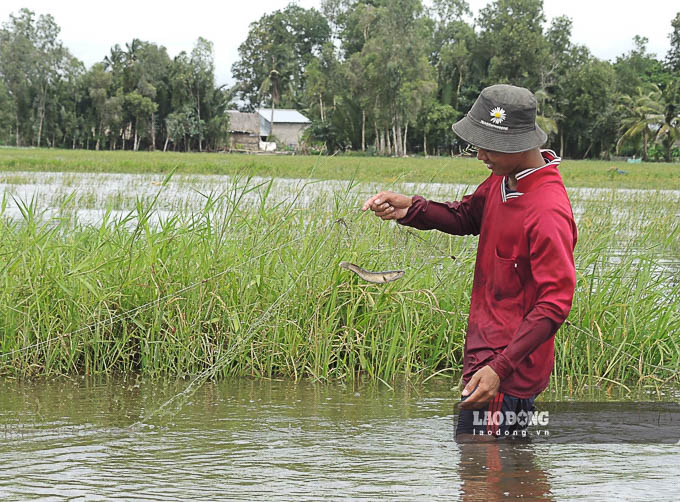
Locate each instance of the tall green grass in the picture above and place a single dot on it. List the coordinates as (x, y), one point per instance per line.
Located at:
(242, 289)
(67, 290)
(625, 322)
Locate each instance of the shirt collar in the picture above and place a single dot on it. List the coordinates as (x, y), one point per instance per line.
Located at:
(551, 160)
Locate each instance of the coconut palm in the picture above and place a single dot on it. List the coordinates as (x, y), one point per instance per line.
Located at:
(669, 132)
(642, 116)
(272, 86)
(547, 117)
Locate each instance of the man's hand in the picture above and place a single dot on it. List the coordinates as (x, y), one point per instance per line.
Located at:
(481, 388)
(388, 205)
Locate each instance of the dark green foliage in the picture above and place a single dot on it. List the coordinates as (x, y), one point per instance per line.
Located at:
(124, 102)
(673, 56)
(389, 76)
(326, 135)
(276, 54)
(512, 42)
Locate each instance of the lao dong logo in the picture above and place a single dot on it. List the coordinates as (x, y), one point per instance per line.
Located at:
(509, 418)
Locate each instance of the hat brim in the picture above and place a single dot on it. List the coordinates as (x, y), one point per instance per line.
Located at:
(487, 138)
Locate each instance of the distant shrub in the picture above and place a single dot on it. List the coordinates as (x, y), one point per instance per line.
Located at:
(656, 153)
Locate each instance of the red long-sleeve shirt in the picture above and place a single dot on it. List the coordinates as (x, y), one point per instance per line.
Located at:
(524, 274)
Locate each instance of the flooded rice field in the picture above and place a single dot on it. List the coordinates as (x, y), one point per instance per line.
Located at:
(89, 199)
(238, 439)
(252, 440)
(88, 196)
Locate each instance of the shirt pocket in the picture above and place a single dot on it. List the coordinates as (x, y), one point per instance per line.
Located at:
(507, 282)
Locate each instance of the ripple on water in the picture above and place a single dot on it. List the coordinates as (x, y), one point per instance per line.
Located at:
(245, 440)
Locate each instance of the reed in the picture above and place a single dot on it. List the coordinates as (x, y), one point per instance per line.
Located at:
(255, 289)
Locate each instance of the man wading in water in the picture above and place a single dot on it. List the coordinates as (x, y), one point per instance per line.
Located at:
(524, 274)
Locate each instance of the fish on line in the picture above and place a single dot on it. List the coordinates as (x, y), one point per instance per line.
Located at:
(374, 277)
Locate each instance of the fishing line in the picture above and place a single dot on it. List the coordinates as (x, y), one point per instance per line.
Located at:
(442, 254)
(143, 217)
(179, 399)
(147, 305)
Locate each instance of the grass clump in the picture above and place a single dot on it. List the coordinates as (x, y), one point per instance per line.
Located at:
(255, 289)
(259, 282)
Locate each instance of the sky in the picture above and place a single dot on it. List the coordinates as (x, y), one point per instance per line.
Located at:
(606, 27)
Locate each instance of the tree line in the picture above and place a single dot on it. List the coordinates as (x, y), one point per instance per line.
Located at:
(383, 77)
(136, 98)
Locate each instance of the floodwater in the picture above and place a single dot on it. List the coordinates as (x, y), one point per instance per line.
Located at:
(90, 195)
(90, 198)
(74, 439)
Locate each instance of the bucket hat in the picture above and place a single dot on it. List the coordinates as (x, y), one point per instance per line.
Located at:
(503, 119)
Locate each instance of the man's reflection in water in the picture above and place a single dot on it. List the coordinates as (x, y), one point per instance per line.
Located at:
(501, 469)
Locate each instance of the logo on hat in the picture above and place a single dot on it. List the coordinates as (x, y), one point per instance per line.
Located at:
(497, 115)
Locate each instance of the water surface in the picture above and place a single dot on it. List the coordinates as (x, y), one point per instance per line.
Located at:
(253, 440)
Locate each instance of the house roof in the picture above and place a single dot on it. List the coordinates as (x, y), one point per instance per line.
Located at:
(243, 122)
(283, 116)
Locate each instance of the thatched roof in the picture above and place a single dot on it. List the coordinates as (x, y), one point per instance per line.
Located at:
(244, 122)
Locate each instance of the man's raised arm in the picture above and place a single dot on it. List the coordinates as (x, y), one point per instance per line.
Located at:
(458, 218)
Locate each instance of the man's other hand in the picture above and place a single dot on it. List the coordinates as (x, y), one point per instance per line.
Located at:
(388, 205)
(481, 389)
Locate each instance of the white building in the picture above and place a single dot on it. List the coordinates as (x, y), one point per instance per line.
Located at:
(288, 125)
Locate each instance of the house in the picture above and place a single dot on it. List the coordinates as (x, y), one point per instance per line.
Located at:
(250, 131)
(287, 127)
(244, 131)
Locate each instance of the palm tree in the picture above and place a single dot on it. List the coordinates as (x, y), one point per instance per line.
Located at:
(642, 117)
(115, 59)
(270, 86)
(669, 132)
(546, 116)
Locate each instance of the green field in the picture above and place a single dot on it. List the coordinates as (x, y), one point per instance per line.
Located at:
(576, 173)
(234, 289)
